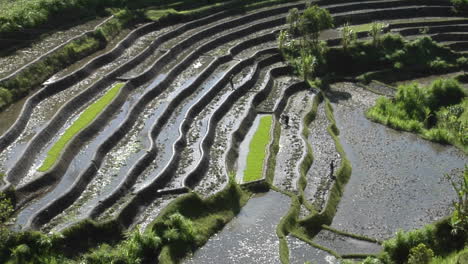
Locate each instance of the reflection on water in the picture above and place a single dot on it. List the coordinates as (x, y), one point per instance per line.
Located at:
(251, 236)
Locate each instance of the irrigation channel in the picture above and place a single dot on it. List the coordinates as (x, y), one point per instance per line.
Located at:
(184, 102)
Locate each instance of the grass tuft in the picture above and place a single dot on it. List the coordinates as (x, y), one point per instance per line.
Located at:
(83, 121)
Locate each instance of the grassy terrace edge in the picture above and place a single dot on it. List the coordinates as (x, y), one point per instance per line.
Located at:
(258, 150)
(85, 118)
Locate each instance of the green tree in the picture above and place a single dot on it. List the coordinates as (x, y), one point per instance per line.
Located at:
(314, 20)
(308, 64)
(293, 20)
(282, 38)
(376, 33)
(347, 36)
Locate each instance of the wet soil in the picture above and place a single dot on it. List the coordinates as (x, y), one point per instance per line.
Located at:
(345, 245)
(291, 145)
(250, 237)
(300, 252)
(386, 192)
(319, 178)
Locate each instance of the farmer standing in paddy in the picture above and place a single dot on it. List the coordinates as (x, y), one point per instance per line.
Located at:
(231, 80)
(332, 169)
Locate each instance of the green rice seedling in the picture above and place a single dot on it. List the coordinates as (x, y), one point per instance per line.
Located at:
(257, 150)
(82, 122)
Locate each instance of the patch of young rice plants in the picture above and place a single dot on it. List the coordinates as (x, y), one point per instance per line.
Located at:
(83, 121)
(257, 150)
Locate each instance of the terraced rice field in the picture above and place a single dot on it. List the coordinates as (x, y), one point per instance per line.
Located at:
(190, 97)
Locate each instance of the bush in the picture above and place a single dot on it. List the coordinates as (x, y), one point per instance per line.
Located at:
(444, 92)
(5, 97)
(438, 112)
(398, 248)
(460, 5)
(423, 53)
(420, 254)
(6, 208)
(178, 229)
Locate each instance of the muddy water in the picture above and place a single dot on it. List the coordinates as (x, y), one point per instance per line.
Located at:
(76, 167)
(291, 145)
(345, 245)
(250, 237)
(170, 131)
(215, 177)
(19, 58)
(9, 115)
(301, 252)
(199, 127)
(273, 98)
(397, 180)
(121, 158)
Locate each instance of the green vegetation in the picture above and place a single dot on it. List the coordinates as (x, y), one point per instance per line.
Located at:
(82, 122)
(18, 15)
(348, 35)
(361, 27)
(441, 242)
(257, 150)
(385, 57)
(459, 219)
(454, 258)
(156, 14)
(184, 225)
(6, 208)
(307, 54)
(305, 229)
(23, 83)
(392, 53)
(438, 112)
(460, 5)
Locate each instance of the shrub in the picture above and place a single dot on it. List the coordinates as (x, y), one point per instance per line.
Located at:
(462, 61)
(460, 5)
(313, 20)
(398, 248)
(420, 254)
(439, 65)
(376, 33)
(5, 97)
(444, 92)
(293, 20)
(420, 53)
(459, 219)
(347, 36)
(178, 229)
(437, 111)
(6, 207)
(439, 135)
(137, 247)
